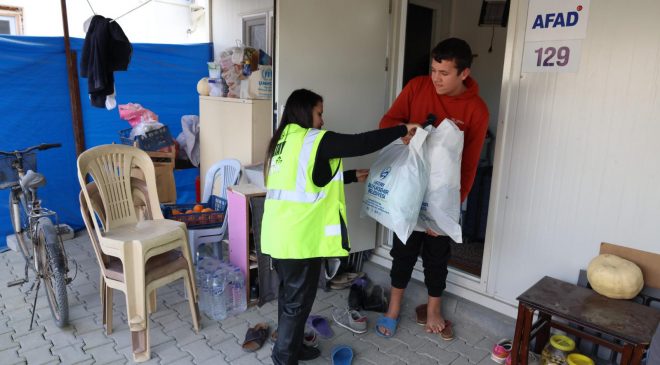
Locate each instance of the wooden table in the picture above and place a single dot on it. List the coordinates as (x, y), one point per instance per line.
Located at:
(632, 324)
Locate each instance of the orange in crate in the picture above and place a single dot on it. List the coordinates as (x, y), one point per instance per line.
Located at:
(205, 215)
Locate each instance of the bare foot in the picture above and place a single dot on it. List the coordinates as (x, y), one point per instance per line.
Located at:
(435, 323)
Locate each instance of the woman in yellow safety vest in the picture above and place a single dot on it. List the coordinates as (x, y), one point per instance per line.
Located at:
(304, 217)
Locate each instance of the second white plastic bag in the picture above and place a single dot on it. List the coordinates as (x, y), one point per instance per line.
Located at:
(441, 207)
(396, 185)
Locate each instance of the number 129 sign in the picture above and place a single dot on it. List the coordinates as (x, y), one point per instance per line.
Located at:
(552, 56)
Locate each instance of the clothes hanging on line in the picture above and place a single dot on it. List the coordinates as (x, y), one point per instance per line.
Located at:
(106, 49)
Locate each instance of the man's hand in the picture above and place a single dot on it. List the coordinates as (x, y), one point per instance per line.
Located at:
(432, 233)
(362, 174)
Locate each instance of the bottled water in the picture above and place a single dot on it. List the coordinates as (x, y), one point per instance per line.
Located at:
(200, 277)
(219, 311)
(209, 265)
(239, 302)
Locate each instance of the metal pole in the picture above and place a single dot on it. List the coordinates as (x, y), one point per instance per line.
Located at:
(74, 88)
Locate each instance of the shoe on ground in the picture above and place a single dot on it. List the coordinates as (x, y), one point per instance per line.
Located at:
(356, 294)
(350, 319)
(501, 350)
(310, 339)
(308, 353)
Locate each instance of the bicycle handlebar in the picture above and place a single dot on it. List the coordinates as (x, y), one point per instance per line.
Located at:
(41, 147)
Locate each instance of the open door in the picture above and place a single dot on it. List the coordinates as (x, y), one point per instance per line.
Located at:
(337, 49)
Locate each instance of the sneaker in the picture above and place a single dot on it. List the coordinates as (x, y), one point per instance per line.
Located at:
(308, 353)
(350, 319)
(501, 350)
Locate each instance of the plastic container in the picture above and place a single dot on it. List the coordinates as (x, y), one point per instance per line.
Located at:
(153, 140)
(200, 219)
(219, 310)
(216, 88)
(578, 359)
(557, 349)
(239, 300)
(214, 70)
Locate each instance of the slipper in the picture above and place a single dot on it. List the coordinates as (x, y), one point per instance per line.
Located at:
(342, 355)
(320, 325)
(346, 278)
(255, 337)
(420, 314)
(447, 333)
(387, 323)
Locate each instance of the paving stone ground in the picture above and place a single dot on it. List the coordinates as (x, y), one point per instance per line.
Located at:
(173, 340)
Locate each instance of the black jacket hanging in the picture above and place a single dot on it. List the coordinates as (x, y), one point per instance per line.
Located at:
(106, 49)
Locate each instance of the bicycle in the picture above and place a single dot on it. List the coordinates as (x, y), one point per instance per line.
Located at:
(38, 239)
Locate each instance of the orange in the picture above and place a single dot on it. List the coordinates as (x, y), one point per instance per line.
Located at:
(176, 212)
(206, 210)
(190, 211)
(198, 208)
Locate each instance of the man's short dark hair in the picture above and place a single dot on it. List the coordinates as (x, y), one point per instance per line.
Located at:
(454, 49)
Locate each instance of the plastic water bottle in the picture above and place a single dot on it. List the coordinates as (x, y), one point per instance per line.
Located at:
(238, 291)
(219, 311)
(200, 277)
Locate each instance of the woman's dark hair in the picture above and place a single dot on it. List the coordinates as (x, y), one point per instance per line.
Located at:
(297, 110)
(454, 49)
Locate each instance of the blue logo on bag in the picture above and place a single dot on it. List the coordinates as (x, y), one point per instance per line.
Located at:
(385, 172)
(267, 73)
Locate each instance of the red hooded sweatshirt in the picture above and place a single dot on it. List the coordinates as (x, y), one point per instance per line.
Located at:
(419, 98)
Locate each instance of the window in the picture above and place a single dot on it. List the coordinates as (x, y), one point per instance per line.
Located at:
(11, 20)
(257, 31)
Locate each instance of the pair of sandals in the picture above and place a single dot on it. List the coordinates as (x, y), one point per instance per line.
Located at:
(391, 325)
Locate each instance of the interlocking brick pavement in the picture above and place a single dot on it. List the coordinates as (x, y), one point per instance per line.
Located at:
(174, 342)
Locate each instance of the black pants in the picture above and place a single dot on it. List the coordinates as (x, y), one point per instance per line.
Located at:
(297, 291)
(435, 256)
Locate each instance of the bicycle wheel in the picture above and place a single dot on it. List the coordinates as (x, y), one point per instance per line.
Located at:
(53, 272)
(19, 221)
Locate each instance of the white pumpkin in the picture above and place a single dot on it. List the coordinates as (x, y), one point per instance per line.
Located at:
(615, 277)
(203, 86)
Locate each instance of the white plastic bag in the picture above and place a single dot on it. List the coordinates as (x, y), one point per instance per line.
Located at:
(441, 207)
(396, 185)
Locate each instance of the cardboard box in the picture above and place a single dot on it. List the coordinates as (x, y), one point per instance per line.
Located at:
(648, 262)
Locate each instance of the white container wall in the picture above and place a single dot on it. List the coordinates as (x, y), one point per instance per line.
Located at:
(578, 157)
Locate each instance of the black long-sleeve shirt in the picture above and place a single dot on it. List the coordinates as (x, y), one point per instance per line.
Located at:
(337, 145)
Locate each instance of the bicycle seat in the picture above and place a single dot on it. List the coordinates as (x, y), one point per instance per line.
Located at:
(33, 180)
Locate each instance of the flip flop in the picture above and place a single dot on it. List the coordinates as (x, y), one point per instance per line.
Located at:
(320, 325)
(447, 333)
(387, 323)
(342, 355)
(255, 337)
(420, 314)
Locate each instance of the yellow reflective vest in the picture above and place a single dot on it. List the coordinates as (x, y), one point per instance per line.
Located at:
(302, 220)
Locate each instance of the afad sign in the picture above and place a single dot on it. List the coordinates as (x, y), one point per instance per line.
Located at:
(556, 20)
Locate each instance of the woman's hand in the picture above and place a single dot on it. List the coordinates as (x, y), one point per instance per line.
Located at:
(432, 233)
(362, 174)
(411, 132)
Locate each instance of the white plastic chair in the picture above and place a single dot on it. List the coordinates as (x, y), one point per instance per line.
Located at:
(218, 178)
(133, 242)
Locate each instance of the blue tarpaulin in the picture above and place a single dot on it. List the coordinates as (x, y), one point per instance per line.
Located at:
(34, 100)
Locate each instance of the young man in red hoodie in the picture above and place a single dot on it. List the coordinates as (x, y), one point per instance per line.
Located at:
(449, 92)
